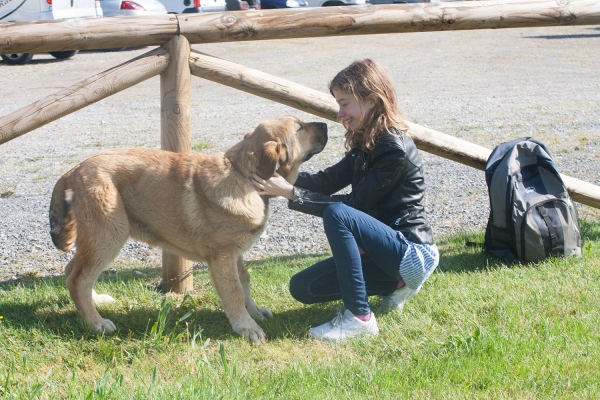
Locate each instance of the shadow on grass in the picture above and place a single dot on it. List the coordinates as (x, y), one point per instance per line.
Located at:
(457, 257)
(292, 258)
(55, 313)
(464, 253)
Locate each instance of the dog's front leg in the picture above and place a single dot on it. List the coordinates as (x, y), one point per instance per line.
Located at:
(225, 278)
(255, 311)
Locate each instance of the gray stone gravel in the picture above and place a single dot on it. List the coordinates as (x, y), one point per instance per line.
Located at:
(485, 86)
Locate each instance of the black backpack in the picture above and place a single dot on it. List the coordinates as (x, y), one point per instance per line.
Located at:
(531, 213)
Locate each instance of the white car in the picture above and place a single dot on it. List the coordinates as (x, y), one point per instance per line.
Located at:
(328, 3)
(116, 8)
(194, 6)
(45, 10)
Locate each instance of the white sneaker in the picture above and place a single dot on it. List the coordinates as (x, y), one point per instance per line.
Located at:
(344, 326)
(396, 300)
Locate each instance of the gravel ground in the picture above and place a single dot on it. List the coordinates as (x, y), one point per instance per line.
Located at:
(485, 86)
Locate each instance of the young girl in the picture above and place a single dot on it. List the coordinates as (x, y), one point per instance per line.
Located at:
(380, 238)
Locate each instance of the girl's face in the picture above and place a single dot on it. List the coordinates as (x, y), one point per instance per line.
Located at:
(352, 111)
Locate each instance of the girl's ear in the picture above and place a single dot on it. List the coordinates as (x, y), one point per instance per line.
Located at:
(371, 101)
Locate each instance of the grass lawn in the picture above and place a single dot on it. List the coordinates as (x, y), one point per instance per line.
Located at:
(478, 329)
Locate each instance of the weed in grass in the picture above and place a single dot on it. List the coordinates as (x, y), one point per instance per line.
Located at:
(158, 334)
(201, 146)
(107, 388)
(455, 343)
(6, 193)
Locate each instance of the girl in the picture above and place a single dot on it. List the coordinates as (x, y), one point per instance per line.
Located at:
(380, 238)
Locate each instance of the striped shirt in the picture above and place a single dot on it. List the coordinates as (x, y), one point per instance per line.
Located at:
(418, 262)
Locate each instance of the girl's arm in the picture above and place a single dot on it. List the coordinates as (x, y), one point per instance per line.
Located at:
(330, 180)
(388, 170)
(311, 193)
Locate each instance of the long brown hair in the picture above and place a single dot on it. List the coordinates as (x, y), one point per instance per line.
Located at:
(365, 79)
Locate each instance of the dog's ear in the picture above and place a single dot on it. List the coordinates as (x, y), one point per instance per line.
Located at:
(269, 159)
(247, 134)
(284, 157)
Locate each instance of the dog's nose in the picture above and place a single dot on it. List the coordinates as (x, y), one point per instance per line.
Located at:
(323, 137)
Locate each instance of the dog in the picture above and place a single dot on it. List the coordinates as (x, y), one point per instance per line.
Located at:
(200, 206)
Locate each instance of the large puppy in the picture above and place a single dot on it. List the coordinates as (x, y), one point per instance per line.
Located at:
(200, 206)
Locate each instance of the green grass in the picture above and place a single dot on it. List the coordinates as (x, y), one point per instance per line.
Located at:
(478, 329)
(201, 145)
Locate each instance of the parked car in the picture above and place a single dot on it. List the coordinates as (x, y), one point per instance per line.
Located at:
(329, 3)
(45, 10)
(129, 8)
(265, 4)
(194, 6)
(235, 5)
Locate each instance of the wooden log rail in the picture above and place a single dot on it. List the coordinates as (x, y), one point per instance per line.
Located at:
(251, 81)
(323, 105)
(83, 94)
(102, 33)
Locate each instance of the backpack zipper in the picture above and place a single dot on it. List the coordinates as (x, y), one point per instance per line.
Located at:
(524, 223)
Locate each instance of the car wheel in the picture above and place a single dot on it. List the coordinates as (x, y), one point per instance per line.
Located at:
(17, 58)
(333, 3)
(63, 55)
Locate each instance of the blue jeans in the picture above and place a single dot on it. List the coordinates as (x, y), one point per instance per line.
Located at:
(348, 275)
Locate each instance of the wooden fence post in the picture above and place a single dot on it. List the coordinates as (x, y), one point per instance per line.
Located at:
(176, 135)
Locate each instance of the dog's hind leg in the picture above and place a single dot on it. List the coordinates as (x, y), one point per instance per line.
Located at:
(224, 274)
(99, 240)
(255, 311)
(80, 283)
(97, 298)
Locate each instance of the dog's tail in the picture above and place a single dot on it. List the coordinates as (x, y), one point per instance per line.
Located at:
(63, 227)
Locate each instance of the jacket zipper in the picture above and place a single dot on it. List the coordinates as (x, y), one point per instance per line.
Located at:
(300, 200)
(364, 166)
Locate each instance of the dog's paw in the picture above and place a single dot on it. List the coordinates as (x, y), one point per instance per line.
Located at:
(254, 335)
(261, 313)
(104, 326)
(251, 331)
(101, 298)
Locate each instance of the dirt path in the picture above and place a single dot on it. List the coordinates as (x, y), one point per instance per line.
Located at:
(485, 86)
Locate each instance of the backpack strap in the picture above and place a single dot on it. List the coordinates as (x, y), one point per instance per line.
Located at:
(551, 231)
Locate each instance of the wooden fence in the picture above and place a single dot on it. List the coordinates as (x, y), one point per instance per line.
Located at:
(176, 63)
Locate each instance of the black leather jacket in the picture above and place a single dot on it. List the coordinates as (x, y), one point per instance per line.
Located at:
(387, 183)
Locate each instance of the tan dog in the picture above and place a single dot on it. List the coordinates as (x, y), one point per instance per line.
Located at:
(200, 206)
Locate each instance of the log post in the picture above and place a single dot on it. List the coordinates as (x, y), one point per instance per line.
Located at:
(176, 135)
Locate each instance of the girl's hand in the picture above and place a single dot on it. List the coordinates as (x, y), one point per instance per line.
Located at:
(274, 186)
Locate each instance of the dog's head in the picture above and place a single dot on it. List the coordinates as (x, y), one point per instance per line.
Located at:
(281, 145)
